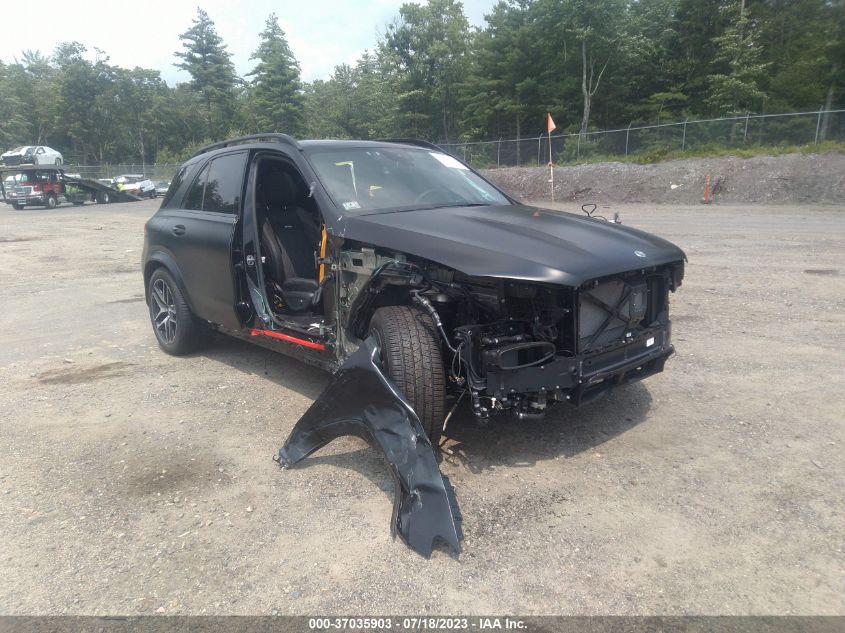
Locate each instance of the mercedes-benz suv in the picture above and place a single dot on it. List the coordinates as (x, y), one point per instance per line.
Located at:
(317, 249)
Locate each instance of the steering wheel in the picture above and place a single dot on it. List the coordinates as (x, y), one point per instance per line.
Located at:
(425, 194)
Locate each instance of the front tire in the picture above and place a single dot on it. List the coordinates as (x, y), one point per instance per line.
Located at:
(410, 353)
(52, 203)
(17, 206)
(177, 330)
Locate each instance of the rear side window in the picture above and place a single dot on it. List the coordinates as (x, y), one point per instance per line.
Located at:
(174, 186)
(218, 186)
(193, 199)
(224, 183)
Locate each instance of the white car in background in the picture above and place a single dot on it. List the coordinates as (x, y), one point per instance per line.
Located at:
(136, 184)
(32, 155)
(162, 186)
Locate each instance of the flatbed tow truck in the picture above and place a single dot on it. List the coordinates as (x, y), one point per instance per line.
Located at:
(50, 186)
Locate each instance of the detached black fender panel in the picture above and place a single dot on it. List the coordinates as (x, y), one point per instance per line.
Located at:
(360, 400)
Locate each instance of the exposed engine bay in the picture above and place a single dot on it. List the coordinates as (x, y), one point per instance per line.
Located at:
(511, 346)
(518, 346)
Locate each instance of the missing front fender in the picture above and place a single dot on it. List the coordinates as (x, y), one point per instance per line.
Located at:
(360, 400)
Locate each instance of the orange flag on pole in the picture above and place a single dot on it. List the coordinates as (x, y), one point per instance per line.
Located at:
(551, 124)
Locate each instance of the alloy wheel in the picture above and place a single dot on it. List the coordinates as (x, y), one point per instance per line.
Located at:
(163, 309)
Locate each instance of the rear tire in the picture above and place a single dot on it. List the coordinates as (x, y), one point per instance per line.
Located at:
(410, 353)
(103, 198)
(177, 330)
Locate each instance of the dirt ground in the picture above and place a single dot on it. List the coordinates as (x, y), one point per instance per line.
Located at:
(787, 179)
(132, 482)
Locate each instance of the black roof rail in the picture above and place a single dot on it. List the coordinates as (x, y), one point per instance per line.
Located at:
(412, 141)
(251, 138)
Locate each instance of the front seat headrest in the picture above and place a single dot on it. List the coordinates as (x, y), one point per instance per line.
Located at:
(279, 188)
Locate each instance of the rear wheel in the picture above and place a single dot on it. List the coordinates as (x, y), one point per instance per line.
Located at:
(177, 330)
(103, 197)
(410, 352)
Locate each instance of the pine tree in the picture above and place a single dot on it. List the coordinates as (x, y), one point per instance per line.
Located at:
(738, 87)
(276, 101)
(213, 76)
(428, 46)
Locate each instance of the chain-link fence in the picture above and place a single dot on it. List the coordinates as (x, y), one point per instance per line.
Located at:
(642, 142)
(651, 142)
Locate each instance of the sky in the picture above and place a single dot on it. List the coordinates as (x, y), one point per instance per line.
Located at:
(321, 33)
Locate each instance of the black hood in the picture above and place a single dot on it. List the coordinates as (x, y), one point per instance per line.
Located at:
(514, 241)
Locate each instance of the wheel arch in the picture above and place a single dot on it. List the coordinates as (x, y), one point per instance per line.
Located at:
(391, 285)
(163, 260)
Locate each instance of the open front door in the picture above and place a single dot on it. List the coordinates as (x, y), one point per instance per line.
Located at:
(282, 233)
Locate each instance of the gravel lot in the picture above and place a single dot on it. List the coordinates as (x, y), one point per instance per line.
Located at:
(135, 483)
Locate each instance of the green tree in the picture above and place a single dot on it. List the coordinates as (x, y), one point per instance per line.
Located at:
(13, 125)
(32, 81)
(505, 71)
(644, 85)
(795, 37)
(737, 87)
(357, 101)
(213, 77)
(275, 94)
(428, 47)
(78, 111)
(691, 47)
(598, 32)
(140, 92)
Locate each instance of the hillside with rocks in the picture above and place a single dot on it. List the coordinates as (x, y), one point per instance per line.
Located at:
(786, 179)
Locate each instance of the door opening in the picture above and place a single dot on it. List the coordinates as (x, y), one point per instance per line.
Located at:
(291, 240)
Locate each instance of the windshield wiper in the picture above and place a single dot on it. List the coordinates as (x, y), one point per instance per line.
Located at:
(452, 205)
(429, 208)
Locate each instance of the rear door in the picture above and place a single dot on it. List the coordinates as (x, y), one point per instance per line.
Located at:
(200, 237)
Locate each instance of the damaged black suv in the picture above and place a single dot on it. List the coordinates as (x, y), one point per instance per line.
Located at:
(397, 257)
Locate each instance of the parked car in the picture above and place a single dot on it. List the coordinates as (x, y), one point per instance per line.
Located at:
(35, 187)
(136, 184)
(416, 280)
(32, 155)
(162, 186)
(8, 183)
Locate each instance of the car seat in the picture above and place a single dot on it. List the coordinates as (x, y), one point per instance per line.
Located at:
(288, 249)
